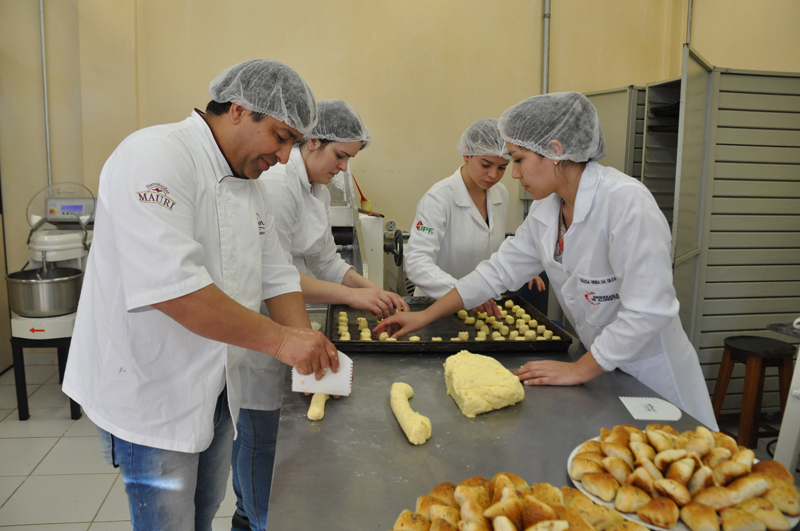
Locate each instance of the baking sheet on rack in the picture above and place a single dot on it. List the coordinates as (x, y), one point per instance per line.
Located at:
(447, 327)
(633, 517)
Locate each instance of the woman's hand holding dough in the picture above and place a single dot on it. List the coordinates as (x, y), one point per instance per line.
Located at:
(416, 427)
(317, 409)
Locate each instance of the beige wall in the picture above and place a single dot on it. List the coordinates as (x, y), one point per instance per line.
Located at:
(418, 72)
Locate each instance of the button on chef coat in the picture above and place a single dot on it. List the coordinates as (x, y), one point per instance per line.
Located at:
(171, 219)
(302, 219)
(614, 283)
(449, 237)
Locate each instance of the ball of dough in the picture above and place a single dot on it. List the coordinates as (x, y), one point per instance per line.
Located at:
(500, 338)
(514, 308)
(533, 323)
(480, 334)
(540, 338)
(455, 339)
(345, 337)
(495, 335)
(413, 338)
(510, 319)
(484, 329)
(436, 339)
(523, 329)
(503, 314)
(513, 334)
(509, 303)
(342, 330)
(519, 338)
(480, 338)
(526, 317)
(548, 334)
(478, 324)
(530, 334)
(491, 319)
(391, 339)
(504, 331)
(469, 320)
(481, 315)
(384, 336)
(540, 329)
(519, 313)
(342, 314)
(462, 314)
(555, 338)
(463, 336)
(497, 324)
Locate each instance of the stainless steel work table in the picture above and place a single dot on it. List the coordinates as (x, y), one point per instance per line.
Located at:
(355, 469)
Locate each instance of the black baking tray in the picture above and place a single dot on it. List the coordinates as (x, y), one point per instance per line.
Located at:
(446, 328)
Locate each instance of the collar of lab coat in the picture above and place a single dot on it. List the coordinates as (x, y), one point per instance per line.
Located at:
(463, 199)
(550, 207)
(223, 168)
(297, 166)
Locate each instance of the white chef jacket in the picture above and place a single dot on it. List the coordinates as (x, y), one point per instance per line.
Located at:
(614, 283)
(171, 219)
(302, 219)
(449, 237)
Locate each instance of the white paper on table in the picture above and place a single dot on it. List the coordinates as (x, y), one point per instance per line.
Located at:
(649, 408)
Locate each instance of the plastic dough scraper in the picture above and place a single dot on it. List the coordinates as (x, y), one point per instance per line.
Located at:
(331, 384)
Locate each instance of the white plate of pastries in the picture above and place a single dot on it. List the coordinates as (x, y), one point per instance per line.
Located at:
(696, 480)
(508, 503)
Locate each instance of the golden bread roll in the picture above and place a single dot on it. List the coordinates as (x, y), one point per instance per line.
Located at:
(700, 517)
(476, 495)
(478, 481)
(704, 433)
(579, 467)
(499, 483)
(501, 523)
(674, 490)
(519, 483)
(681, 470)
(717, 497)
(509, 506)
(408, 521)
(745, 457)
(471, 512)
(659, 440)
(590, 446)
(764, 511)
(642, 450)
(617, 468)
(738, 520)
(784, 497)
(698, 447)
(627, 525)
(575, 519)
(571, 494)
(618, 435)
(725, 441)
(611, 449)
(703, 477)
(424, 504)
(442, 525)
(727, 471)
(716, 456)
(446, 513)
(445, 492)
(651, 468)
(659, 511)
(474, 526)
(635, 433)
(642, 479)
(630, 499)
(749, 487)
(546, 493)
(549, 525)
(603, 485)
(535, 511)
(773, 469)
(667, 457)
(597, 457)
(666, 428)
(598, 516)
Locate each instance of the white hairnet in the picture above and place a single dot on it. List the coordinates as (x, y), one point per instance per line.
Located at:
(268, 87)
(482, 138)
(339, 122)
(568, 117)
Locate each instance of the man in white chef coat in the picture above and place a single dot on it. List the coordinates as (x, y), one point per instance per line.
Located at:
(184, 252)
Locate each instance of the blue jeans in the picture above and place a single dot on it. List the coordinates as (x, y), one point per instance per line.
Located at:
(252, 461)
(174, 491)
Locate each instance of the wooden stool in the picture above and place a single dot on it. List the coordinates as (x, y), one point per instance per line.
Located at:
(757, 353)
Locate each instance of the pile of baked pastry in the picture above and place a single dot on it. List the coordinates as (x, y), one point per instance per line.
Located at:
(700, 477)
(508, 503)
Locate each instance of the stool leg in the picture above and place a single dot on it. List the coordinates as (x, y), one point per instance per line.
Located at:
(785, 373)
(723, 379)
(751, 398)
(20, 383)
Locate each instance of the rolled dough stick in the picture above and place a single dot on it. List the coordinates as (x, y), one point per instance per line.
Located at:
(416, 427)
(317, 409)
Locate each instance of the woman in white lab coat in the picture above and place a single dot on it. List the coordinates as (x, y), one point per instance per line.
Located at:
(605, 246)
(301, 207)
(461, 220)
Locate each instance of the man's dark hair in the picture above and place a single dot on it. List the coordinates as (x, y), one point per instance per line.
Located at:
(218, 109)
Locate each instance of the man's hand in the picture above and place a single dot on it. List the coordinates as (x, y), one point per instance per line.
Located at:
(307, 351)
(406, 321)
(376, 301)
(490, 307)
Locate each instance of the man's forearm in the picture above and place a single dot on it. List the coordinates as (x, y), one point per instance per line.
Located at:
(289, 309)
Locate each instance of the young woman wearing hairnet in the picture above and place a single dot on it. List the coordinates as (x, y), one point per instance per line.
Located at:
(605, 246)
(461, 220)
(301, 208)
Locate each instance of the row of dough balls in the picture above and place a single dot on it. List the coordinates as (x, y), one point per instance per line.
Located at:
(527, 328)
(508, 503)
(700, 476)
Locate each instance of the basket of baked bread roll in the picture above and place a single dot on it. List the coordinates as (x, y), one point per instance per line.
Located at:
(508, 503)
(700, 479)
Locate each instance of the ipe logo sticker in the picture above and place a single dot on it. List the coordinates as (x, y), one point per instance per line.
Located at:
(422, 228)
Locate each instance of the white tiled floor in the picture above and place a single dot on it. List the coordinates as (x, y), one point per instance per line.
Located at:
(52, 473)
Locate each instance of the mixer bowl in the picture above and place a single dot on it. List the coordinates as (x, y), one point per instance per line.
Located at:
(44, 293)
